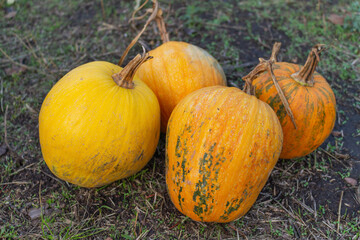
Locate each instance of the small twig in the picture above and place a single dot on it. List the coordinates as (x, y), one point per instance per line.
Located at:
(2, 94)
(330, 155)
(309, 209)
(248, 64)
(291, 214)
(143, 234)
(237, 232)
(54, 178)
(135, 223)
(17, 157)
(31, 50)
(22, 169)
(175, 225)
(107, 26)
(286, 171)
(339, 212)
(103, 9)
(5, 128)
(225, 26)
(16, 63)
(17, 183)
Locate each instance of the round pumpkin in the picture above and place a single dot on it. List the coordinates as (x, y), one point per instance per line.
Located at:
(95, 130)
(221, 147)
(177, 69)
(311, 101)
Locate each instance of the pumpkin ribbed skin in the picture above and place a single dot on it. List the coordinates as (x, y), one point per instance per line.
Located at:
(93, 132)
(177, 69)
(313, 107)
(221, 147)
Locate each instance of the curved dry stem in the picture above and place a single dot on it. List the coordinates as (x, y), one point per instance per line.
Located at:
(124, 78)
(260, 68)
(266, 65)
(161, 26)
(133, 18)
(275, 51)
(281, 94)
(305, 75)
(151, 18)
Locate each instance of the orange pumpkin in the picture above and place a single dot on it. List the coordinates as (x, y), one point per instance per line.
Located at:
(310, 98)
(177, 69)
(221, 147)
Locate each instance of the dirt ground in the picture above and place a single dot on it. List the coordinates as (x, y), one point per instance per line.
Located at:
(314, 197)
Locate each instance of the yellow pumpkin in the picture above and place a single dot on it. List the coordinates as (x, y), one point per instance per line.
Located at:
(221, 146)
(95, 129)
(177, 69)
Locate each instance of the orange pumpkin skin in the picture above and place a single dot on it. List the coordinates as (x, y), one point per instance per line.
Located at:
(221, 147)
(313, 107)
(177, 69)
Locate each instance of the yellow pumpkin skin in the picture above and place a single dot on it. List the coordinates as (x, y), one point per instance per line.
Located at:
(314, 108)
(221, 147)
(177, 69)
(93, 132)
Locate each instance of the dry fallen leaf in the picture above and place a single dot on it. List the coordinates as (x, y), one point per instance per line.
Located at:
(294, 60)
(68, 221)
(338, 133)
(336, 19)
(15, 70)
(351, 181)
(3, 149)
(10, 15)
(35, 213)
(342, 156)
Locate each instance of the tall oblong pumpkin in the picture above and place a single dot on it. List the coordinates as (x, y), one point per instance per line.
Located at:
(309, 97)
(221, 147)
(98, 124)
(177, 69)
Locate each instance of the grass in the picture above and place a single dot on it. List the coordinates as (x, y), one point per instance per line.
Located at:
(302, 196)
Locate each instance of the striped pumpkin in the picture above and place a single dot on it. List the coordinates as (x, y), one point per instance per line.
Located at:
(221, 147)
(310, 98)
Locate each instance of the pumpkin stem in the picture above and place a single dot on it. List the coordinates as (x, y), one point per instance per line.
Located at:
(260, 68)
(267, 65)
(161, 26)
(153, 16)
(305, 75)
(249, 88)
(124, 78)
(275, 51)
